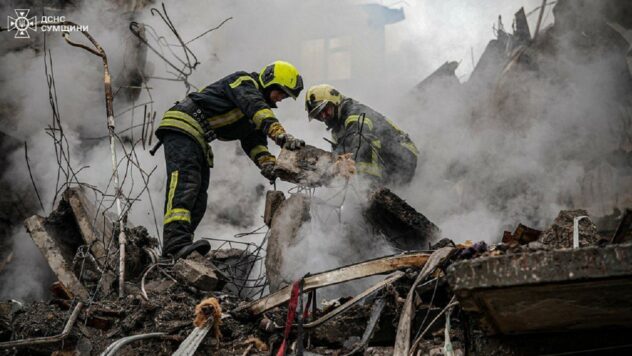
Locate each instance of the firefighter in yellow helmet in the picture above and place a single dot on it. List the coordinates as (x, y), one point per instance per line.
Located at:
(236, 107)
(382, 151)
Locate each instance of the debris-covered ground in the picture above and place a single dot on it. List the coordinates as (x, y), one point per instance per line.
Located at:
(533, 282)
(560, 288)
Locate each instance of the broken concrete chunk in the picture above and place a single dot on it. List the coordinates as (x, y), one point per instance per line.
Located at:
(196, 274)
(403, 226)
(546, 291)
(560, 234)
(292, 213)
(522, 235)
(274, 198)
(96, 227)
(57, 252)
(313, 167)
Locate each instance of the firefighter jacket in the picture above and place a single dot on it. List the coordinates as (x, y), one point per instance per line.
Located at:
(233, 108)
(378, 146)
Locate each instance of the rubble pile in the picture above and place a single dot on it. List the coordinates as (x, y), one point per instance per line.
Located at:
(467, 297)
(554, 289)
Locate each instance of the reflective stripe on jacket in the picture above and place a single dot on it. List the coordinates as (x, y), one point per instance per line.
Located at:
(370, 137)
(234, 108)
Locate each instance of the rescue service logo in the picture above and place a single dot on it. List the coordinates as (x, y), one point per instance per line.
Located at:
(22, 24)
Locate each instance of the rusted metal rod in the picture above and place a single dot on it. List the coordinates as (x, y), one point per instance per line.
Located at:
(47, 339)
(537, 26)
(109, 108)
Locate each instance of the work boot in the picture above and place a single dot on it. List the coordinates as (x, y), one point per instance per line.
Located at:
(201, 246)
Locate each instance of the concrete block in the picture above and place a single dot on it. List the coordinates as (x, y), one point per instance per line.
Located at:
(291, 215)
(60, 261)
(196, 274)
(559, 290)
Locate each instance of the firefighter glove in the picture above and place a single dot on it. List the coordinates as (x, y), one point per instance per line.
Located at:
(290, 142)
(267, 170)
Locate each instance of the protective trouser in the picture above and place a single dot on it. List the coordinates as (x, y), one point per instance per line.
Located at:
(188, 176)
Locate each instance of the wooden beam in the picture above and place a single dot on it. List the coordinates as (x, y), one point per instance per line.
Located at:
(336, 276)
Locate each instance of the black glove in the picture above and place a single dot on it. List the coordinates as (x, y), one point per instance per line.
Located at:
(267, 170)
(290, 142)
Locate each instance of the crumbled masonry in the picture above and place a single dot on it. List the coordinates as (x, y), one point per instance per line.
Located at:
(528, 291)
(518, 286)
(313, 167)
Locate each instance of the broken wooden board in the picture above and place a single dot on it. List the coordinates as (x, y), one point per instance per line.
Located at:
(312, 167)
(96, 227)
(403, 226)
(378, 286)
(58, 256)
(402, 339)
(336, 276)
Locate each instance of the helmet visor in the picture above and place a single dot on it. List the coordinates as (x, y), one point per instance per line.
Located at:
(313, 114)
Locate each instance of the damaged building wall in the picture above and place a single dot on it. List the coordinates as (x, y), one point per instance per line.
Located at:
(536, 127)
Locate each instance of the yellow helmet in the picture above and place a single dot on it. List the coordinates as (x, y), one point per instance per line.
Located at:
(281, 75)
(317, 98)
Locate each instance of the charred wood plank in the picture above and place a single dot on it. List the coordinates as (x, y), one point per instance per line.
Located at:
(378, 286)
(402, 340)
(402, 225)
(340, 275)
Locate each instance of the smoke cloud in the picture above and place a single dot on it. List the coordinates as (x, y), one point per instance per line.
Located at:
(482, 169)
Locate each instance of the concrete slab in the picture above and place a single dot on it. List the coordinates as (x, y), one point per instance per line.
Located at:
(559, 290)
(59, 260)
(96, 226)
(290, 216)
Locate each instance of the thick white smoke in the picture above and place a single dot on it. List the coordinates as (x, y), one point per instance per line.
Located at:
(465, 165)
